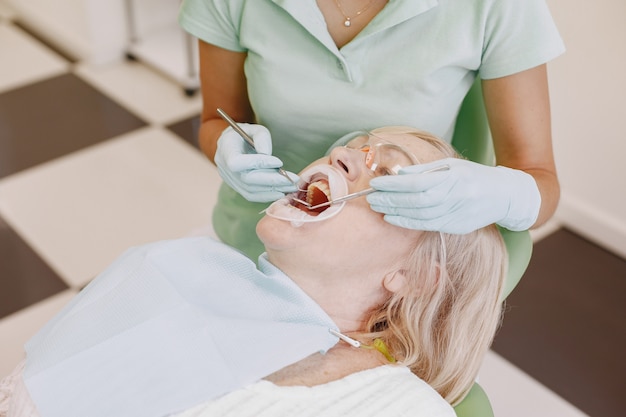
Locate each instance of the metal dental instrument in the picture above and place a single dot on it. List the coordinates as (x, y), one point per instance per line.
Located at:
(337, 200)
(348, 340)
(360, 193)
(248, 139)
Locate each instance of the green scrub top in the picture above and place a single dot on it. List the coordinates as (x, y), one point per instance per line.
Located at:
(411, 65)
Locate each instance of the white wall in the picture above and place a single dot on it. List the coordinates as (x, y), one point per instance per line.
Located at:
(94, 30)
(61, 21)
(588, 92)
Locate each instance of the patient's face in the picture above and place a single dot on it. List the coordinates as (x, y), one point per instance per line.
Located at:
(356, 233)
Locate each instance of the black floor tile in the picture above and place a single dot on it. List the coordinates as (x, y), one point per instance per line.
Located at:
(24, 277)
(188, 130)
(54, 117)
(566, 323)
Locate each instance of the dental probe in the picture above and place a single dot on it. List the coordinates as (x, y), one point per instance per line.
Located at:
(362, 192)
(338, 200)
(248, 139)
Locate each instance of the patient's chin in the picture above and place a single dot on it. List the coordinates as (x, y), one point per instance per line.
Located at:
(275, 233)
(262, 230)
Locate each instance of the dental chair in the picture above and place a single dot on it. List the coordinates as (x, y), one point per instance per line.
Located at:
(472, 139)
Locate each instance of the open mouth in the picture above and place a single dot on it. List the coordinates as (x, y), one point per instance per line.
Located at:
(319, 184)
(315, 192)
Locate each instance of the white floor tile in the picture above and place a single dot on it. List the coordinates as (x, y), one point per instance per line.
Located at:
(149, 94)
(24, 60)
(81, 211)
(16, 329)
(513, 393)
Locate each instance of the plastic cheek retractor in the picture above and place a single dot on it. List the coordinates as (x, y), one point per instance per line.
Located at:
(286, 209)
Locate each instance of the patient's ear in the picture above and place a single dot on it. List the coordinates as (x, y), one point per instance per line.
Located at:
(395, 281)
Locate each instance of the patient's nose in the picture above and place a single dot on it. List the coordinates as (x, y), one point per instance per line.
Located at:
(350, 161)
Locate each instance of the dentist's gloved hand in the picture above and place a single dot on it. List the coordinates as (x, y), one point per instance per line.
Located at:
(460, 200)
(252, 174)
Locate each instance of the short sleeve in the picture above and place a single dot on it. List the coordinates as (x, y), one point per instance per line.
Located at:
(213, 21)
(519, 35)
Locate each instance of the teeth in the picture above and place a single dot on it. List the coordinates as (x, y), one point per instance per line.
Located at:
(314, 191)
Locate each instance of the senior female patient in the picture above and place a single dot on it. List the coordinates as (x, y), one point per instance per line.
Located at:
(346, 314)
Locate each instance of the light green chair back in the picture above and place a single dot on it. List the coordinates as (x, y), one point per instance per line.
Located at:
(472, 139)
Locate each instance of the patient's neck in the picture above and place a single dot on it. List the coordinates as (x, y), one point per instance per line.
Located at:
(347, 294)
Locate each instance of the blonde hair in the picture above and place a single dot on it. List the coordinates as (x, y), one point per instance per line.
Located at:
(443, 321)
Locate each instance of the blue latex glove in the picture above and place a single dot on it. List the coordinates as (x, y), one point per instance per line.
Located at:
(460, 200)
(253, 174)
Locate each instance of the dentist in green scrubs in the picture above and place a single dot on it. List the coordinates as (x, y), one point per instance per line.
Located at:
(298, 74)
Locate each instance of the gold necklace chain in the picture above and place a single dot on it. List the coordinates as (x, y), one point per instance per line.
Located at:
(348, 20)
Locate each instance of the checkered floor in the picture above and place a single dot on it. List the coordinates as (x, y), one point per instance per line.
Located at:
(96, 159)
(92, 161)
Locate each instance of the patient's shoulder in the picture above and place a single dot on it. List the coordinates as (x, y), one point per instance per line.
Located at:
(381, 390)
